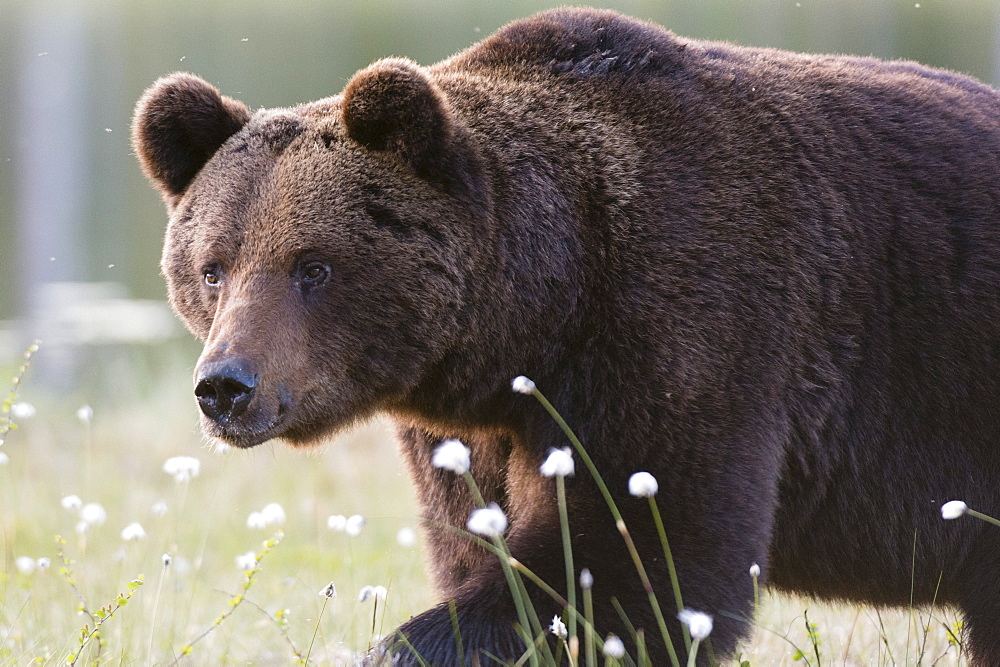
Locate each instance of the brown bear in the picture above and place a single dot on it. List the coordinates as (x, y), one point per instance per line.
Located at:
(772, 280)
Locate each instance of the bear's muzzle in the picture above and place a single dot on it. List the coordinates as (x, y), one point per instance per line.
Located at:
(224, 389)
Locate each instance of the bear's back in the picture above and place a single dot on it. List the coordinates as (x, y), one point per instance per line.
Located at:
(584, 43)
(577, 41)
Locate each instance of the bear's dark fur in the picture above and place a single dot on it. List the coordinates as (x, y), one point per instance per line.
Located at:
(770, 279)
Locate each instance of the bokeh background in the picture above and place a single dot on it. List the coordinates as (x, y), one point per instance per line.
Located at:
(80, 234)
(75, 209)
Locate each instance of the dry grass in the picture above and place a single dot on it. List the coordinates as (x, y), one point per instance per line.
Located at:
(850, 635)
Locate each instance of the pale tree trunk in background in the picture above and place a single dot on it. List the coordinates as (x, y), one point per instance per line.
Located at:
(996, 52)
(51, 150)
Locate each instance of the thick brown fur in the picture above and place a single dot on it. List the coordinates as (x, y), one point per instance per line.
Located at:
(770, 279)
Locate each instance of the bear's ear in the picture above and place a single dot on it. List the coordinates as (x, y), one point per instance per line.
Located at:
(393, 106)
(179, 123)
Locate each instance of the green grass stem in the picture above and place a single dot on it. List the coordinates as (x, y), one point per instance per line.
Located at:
(925, 628)
(642, 653)
(756, 612)
(657, 612)
(619, 521)
(985, 517)
(589, 647)
(668, 555)
(312, 640)
(413, 651)
(578, 446)
(693, 653)
(567, 556)
(156, 607)
(456, 631)
(526, 614)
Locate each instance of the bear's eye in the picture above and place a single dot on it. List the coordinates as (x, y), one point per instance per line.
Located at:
(212, 276)
(313, 274)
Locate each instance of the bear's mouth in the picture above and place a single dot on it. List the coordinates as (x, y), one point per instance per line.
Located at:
(247, 433)
(242, 438)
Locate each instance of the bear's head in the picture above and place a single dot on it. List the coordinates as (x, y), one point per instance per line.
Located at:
(321, 252)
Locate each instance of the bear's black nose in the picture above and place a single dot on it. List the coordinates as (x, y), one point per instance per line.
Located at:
(224, 389)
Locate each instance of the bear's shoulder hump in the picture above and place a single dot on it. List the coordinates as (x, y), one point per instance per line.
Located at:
(576, 41)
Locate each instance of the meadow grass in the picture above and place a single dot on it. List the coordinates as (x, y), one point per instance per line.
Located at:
(276, 616)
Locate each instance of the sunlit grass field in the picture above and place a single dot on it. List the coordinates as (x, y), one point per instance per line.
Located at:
(200, 609)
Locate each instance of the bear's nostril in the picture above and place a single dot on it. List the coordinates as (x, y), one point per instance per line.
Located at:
(205, 390)
(233, 388)
(224, 391)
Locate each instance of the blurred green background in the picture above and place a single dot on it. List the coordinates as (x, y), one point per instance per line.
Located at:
(80, 234)
(80, 230)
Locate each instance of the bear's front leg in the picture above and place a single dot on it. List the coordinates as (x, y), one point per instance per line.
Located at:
(447, 502)
(718, 519)
(467, 575)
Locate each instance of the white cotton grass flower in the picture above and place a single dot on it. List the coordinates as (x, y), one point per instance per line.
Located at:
(643, 485)
(71, 502)
(699, 623)
(85, 413)
(558, 628)
(93, 514)
(159, 508)
(406, 537)
(614, 647)
(354, 525)
(953, 509)
(182, 468)
(4, 459)
(274, 514)
(489, 521)
(167, 560)
(586, 579)
(755, 570)
(329, 591)
(452, 455)
(336, 522)
(133, 532)
(25, 564)
(522, 385)
(247, 561)
(369, 592)
(43, 563)
(559, 463)
(22, 410)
